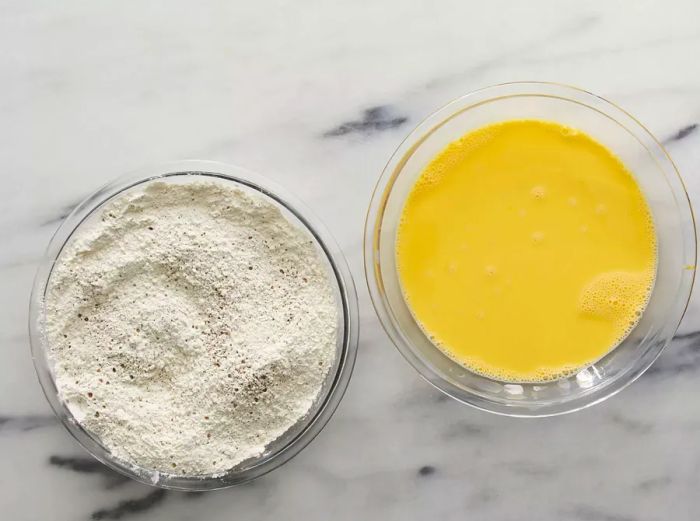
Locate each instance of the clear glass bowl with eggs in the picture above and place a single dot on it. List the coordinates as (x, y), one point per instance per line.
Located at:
(656, 175)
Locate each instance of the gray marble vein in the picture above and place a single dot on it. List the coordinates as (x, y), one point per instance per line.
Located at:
(684, 356)
(59, 216)
(521, 50)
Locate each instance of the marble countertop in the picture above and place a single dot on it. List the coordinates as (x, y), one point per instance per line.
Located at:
(316, 95)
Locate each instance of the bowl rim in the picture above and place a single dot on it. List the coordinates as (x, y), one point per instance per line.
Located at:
(309, 427)
(391, 171)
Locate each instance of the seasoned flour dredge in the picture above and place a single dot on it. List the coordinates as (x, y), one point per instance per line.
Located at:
(190, 325)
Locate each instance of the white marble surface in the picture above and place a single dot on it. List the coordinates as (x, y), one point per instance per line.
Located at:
(89, 90)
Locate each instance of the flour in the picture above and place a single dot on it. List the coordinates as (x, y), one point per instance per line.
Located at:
(190, 325)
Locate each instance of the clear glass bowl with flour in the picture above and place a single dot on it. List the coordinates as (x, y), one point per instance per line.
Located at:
(210, 359)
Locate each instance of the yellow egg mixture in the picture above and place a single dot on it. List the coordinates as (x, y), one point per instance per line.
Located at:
(526, 251)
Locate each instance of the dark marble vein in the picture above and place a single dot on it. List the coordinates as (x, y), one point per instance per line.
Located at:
(131, 506)
(681, 134)
(691, 335)
(26, 423)
(89, 466)
(86, 465)
(373, 120)
(426, 470)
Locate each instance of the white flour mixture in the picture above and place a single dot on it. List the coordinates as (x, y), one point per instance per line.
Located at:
(190, 325)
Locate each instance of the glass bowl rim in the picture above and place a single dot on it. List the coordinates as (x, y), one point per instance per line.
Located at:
(311, 425)
(392, 170)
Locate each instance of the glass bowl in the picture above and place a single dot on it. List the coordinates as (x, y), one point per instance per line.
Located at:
(297, 437)
(658, 179)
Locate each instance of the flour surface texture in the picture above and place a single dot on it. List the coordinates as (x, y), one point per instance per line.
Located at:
(190, 325)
